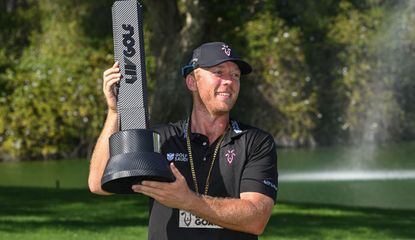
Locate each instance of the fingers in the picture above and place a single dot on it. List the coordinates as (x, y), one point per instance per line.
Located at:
(170, 194)
(176, 172)
(111, 77)
(153, 184)
(151, 189)
(110, 82)
(150, 192)
(145, 185)
(113, 72)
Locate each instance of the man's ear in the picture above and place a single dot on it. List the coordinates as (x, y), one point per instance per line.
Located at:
(191, 82)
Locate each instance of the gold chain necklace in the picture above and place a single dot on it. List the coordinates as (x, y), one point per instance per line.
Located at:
(192, 166)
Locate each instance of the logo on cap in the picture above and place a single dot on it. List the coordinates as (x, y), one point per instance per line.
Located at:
(194, 61)
(226, 49)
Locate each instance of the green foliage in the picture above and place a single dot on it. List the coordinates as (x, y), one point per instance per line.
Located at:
(55, 107)
(328, 71)
(277, 96)
(14, 37)
(281, 78)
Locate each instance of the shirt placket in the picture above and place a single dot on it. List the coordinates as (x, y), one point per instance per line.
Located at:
(202, 158)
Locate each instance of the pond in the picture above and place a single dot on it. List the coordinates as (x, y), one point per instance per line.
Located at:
(66, 174)
(370, 176)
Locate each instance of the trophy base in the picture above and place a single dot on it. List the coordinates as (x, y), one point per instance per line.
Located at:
(134, 157)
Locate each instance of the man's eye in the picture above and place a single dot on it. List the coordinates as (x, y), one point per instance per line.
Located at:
(218, 72)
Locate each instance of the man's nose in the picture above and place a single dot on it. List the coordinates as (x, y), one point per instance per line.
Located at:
(228, 78)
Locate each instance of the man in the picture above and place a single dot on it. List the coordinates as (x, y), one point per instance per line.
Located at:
(226, 173)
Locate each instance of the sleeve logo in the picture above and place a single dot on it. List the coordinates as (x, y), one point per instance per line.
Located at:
(270, 184)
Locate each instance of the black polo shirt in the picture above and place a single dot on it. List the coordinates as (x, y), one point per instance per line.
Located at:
(246, 162)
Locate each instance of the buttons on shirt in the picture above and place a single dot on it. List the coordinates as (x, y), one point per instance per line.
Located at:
(202, 149)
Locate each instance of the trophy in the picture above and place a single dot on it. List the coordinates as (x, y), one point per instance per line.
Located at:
(134, 150)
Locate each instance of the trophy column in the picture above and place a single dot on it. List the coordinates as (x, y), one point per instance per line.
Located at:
(134, 150)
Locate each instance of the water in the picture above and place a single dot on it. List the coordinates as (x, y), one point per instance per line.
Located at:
(383, 177)
(376, 110)
(349, 176)
(368, 176)
(65, 174)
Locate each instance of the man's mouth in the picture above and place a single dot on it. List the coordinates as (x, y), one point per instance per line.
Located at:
(223, 94)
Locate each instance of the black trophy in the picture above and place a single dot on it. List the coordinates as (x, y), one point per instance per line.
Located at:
(134, 150)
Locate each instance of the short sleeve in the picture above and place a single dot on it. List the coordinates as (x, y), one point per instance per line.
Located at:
(260, 173)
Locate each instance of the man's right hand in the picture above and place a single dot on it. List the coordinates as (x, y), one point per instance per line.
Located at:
(100, 156)
(111, 78)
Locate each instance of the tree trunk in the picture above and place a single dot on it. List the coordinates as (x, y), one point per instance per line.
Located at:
(11, 6)
(175, 34)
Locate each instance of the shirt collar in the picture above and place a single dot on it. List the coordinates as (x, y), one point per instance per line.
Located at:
(235, 131)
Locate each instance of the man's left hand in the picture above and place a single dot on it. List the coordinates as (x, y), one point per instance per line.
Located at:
(174, 195)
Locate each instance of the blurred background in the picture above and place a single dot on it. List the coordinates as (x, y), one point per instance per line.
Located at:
(333, 81)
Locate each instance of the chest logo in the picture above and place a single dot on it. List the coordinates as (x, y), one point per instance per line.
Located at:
(177, 157)
(170, 156)
(230, 155)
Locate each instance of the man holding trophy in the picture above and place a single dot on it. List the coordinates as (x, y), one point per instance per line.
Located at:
(225, 173)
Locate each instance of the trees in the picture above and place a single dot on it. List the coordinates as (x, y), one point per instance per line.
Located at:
(52, 103)
(281, 76)
(176, 27)
(325, 72)
(375, 64)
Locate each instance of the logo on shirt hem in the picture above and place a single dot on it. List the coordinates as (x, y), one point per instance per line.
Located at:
(189, 220)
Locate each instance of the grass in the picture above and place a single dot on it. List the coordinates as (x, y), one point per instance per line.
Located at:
(45, 213)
